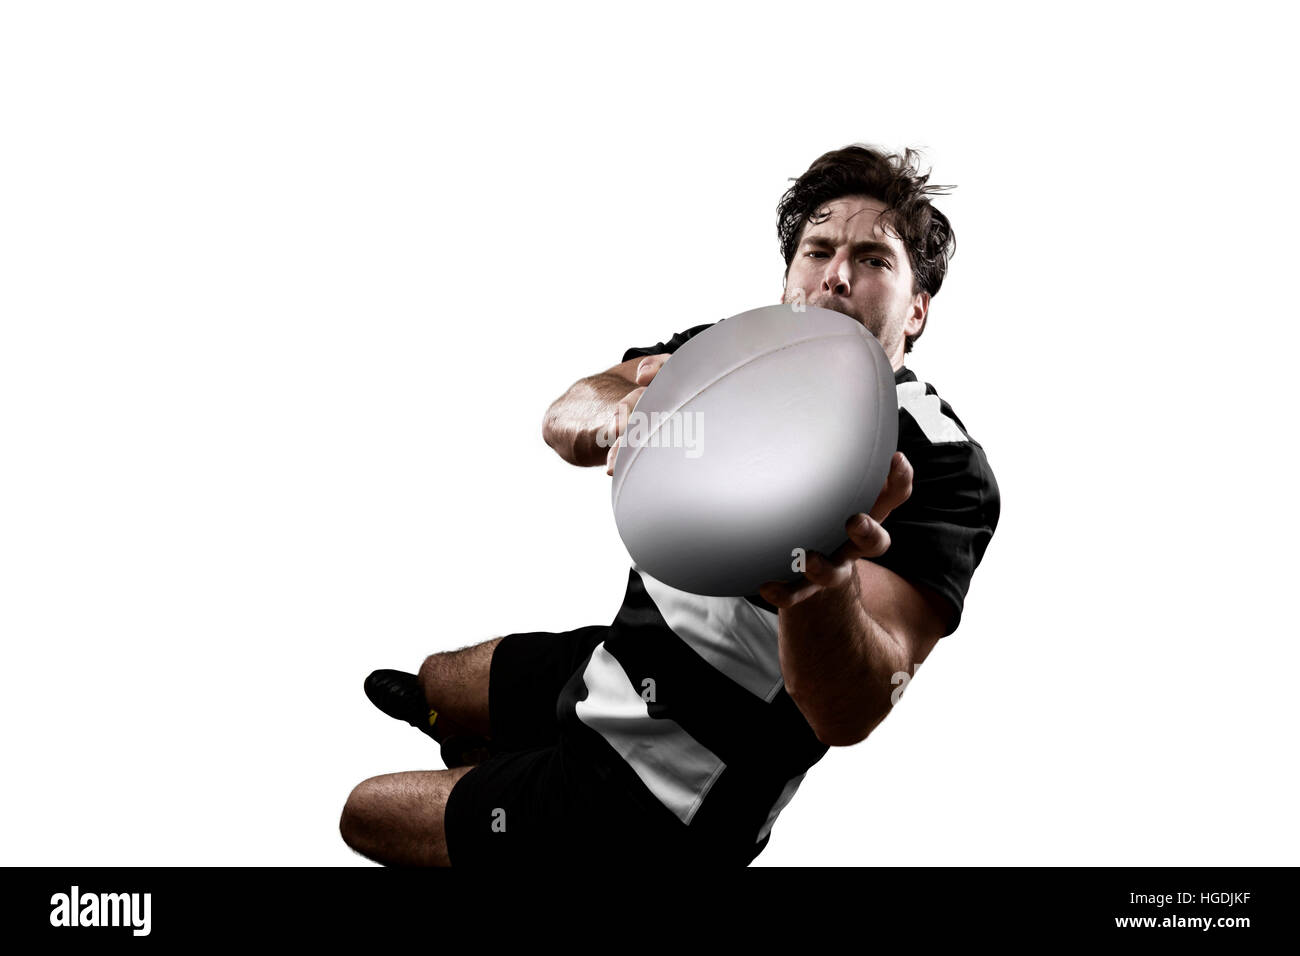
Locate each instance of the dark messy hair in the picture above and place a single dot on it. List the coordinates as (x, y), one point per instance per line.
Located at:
(898, 182)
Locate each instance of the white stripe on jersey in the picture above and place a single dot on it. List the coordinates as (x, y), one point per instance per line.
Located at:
(927, 413)
(673, 765)
(734, 636)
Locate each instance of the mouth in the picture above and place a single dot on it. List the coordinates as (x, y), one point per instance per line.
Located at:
(834, 303)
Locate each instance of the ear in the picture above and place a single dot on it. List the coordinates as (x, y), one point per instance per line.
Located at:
(920, 309)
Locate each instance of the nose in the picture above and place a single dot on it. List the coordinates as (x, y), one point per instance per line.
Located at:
(836, 278)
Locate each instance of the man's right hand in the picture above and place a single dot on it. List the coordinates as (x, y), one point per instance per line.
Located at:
(584, 424)
(645, 372)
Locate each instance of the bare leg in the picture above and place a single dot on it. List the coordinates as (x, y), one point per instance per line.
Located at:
(397, 819)
(456, 685)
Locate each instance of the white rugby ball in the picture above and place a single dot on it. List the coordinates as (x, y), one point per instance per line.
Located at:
(761, 435)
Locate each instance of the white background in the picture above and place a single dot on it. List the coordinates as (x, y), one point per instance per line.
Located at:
(286, 288)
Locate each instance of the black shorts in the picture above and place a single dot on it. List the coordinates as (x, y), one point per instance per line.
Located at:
(536, 801)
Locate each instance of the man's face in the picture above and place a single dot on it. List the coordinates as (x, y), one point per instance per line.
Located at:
(852, 263)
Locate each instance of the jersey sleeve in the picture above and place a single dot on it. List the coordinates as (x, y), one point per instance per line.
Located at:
(672, 345)
(939, 535)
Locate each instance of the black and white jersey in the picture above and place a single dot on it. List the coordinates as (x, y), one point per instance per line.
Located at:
(684, 704)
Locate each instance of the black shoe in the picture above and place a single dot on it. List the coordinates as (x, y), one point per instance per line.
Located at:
(399, 695)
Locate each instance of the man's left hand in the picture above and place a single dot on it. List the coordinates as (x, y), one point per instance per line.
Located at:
(867, 539)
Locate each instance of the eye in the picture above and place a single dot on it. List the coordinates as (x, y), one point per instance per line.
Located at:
(877, 261)
(814, 253)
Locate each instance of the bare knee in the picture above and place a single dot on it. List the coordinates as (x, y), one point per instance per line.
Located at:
(397, 818)
(456, 685)
(362, 822)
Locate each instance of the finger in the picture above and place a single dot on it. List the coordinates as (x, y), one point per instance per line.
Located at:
(827, 572)
(610, 458)
(649, 367)
(820, 573)
(898, 487)
(776, 593)
(608, 436)
(867, 537)
(627, 404)
(779, 594)
(851, 549)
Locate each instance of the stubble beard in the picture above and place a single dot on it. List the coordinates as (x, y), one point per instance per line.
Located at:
(874, 322)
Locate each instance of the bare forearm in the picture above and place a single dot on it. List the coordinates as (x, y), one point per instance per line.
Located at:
(839, 664)
(577, 417)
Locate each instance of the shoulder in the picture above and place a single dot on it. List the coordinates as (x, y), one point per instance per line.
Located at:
(951, 468)
(928, 416)
(929, 429)
(670, 345)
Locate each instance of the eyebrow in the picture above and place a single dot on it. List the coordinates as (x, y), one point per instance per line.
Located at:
(858, 248)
